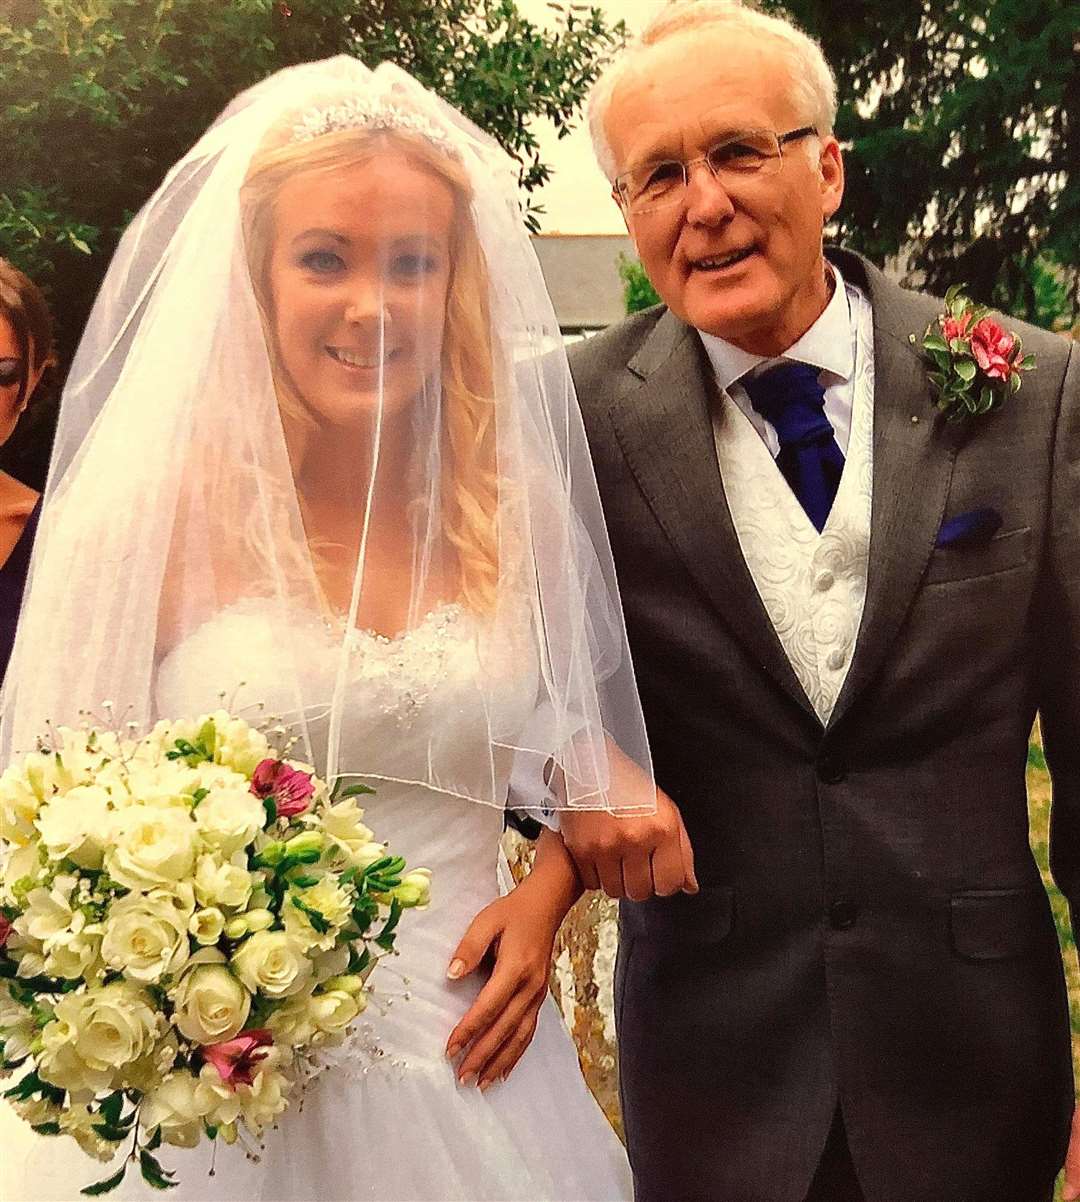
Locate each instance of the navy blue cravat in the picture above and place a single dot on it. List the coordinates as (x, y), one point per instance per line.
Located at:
(792, 401)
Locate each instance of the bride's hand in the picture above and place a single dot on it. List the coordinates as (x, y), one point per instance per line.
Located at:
(499, 1025)
(519, 931)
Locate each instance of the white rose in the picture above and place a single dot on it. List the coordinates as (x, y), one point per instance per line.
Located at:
(271, 962)
(205, 926)
(76, 825)
(229, 818)
(222, 884)
(94, 1035)
(146, 935)
(210, 1004)
(153, 847)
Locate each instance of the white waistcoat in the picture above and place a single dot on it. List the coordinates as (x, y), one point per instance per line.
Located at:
(813, 585)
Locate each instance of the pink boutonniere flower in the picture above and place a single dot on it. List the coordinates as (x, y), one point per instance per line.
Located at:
(977, 363)
(237, 1060)
(5, 930)
(288, 788)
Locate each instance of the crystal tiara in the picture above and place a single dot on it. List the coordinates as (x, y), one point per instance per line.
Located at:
(356, 113)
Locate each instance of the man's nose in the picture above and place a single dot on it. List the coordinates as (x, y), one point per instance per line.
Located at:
(708, 202)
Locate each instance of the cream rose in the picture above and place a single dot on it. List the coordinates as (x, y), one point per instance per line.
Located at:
(146, 935)
(210, 1004)
(77, 825)
(93, 1036)
(229, 819)
(153, 847)
(272, 963)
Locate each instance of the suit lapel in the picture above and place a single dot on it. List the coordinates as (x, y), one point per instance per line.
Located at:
(661, 418)
(913, 464)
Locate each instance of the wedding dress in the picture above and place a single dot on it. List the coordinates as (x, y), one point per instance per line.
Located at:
(386, 1118)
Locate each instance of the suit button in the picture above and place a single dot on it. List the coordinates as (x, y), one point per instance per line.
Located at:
(831, 768)
(842, 915)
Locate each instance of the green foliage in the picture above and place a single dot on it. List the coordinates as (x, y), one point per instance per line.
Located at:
(638, 292)
(99, 97)
(960, 121)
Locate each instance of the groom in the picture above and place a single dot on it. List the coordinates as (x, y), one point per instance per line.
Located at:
(844, 612)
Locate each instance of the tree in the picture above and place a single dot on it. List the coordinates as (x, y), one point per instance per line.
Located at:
(961, 118)
(99, 97)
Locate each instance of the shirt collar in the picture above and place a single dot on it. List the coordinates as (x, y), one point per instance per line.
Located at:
(826, 345)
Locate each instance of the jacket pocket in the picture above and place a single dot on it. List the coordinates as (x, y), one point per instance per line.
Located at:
(704, 917)
(996, 924)
(1002, 553)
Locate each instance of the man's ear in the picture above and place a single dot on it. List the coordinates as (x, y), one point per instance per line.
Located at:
(831, 165)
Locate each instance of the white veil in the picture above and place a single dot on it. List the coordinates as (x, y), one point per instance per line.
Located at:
(408, 454)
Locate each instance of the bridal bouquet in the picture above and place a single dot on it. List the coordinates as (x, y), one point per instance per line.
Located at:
(183, 918)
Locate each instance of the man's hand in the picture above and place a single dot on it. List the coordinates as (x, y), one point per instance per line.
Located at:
(1071, 1189)
(631, 857)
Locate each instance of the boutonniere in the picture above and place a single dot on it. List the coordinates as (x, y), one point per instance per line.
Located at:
(977, 363)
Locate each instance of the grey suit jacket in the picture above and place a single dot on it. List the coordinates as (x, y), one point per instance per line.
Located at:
(872, 929)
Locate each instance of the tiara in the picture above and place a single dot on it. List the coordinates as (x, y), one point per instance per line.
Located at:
(355, 113)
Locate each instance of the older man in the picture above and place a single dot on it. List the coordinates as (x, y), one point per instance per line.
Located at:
(845, 612)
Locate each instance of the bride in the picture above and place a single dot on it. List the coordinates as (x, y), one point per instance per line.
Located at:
(320, 461)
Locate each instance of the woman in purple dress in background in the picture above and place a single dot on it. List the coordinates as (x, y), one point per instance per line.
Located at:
(26, 350)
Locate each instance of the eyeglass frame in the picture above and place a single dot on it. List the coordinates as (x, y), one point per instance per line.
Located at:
(782, 140)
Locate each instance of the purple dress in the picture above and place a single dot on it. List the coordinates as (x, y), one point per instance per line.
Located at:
(12, 582)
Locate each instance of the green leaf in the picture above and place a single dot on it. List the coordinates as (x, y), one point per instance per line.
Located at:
(935, 343)
(1027, 363)
(199, 795)
(111, 1132)
(112, 1107)
(104, 1187)
(356, 791)
(965, 369)
(318, 922)
(154, 1174)
(154, 1142)
(270, 806)
(46, 1128)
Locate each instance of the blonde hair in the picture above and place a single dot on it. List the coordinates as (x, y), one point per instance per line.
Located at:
(812, 82)
(470, 370)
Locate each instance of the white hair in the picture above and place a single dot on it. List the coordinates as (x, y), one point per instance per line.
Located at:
(812, 81)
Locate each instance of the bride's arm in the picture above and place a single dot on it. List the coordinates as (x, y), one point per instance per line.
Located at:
(520, 930)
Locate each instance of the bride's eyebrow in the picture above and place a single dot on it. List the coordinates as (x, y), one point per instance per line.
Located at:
(316, 232)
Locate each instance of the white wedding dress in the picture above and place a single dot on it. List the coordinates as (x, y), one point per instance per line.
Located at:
(388, 1120)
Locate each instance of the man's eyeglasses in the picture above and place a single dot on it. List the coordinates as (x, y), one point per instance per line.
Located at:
(660, 185)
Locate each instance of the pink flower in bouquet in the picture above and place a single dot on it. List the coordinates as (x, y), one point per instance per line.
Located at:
(237, 1060)
(290, 789)
(5, 930)
(994, 349)
(955, 327)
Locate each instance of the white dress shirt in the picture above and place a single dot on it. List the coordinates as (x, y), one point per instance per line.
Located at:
(829, 345)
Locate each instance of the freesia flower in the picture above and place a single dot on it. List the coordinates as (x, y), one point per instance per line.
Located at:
(237, 1060)
(290, 790)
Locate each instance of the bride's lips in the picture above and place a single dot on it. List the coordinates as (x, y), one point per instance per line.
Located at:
(362, 361)
(716, 264)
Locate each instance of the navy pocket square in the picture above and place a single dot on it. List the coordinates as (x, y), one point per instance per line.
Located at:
(966, 529)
